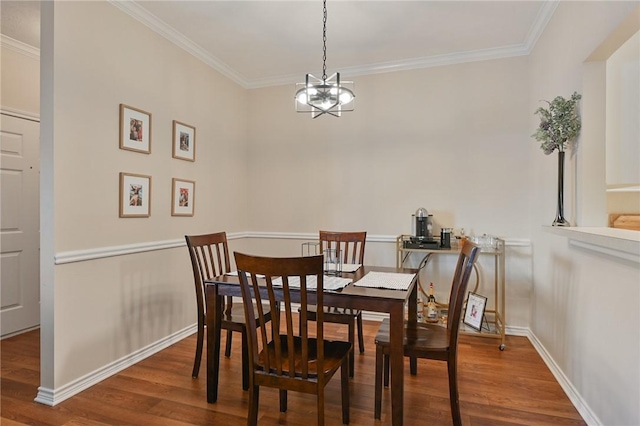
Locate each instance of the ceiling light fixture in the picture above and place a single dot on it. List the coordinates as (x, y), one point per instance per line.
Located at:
(326, 95)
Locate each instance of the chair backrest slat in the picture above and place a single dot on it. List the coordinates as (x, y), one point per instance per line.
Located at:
(278, 359)
(350, 243)
(464, 268)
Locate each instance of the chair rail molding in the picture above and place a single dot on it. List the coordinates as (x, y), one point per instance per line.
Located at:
(63, 257)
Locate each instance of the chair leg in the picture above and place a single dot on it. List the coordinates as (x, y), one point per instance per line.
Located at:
(254, 401)
(352, 339)
(386, 370)
(413, 365)
(320, 406)
(378, 383)
(344, 384)
(283, 400)
(227, 349)
(453, 393)
(199, 344)
(360, 335)
(245, 361)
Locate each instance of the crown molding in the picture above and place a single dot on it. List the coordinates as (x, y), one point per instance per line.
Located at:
(407, 64)
(544, 16)
(157, 25)
(545, 13)
(20, 47)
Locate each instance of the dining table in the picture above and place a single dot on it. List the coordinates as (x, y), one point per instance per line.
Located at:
(384, 300)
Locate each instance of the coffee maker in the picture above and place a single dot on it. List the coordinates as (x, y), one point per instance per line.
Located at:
(422, 231)
(423, 224)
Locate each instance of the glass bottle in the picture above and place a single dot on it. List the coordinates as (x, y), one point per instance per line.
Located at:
(432, 306)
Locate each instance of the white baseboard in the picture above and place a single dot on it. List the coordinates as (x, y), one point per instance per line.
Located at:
(52, 397)
(574, 396)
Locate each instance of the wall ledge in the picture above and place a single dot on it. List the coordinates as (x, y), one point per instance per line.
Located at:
(620, 243)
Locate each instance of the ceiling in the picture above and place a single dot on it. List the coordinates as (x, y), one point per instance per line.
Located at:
(263, 43)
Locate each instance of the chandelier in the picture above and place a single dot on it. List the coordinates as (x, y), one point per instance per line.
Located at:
(326, 95)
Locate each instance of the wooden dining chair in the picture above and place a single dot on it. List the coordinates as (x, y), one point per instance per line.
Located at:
(431, 341)
(351, 245)
(283, 357)
(209, 255)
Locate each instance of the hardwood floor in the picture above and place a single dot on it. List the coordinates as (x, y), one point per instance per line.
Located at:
(513, 387)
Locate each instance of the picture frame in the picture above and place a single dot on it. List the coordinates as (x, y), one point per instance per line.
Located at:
(474, 312)
(184, 141)
(135, 129)
(135, 195)
(182, 197)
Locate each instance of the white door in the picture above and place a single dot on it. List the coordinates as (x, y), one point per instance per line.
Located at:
(19, 224)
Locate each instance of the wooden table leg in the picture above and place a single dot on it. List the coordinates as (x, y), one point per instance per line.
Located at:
(396, 354)
(396, 362)
(412, 314)
(214, 323)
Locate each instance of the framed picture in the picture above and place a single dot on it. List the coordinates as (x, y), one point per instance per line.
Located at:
(135, 195)
(135, 129)
(182, 197)
(184, 141)
(474, 313)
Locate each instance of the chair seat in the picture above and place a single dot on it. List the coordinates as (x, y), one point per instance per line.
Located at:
(424, 337)
(335, 315)
(334, 353)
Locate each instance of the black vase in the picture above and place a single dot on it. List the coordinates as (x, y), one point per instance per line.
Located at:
(560, 220)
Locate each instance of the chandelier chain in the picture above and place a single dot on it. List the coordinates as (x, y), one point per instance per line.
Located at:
(324, 41)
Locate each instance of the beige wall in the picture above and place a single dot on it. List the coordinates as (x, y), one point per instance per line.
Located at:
(623, 128)
(623, 112)
(450, 139)
(102, 310)
(19, 81)
(585, 303)
(124, 62)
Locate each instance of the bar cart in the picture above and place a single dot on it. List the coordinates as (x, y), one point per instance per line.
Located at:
(493, 324)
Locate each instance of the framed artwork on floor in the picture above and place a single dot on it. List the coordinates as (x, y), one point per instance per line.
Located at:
(135, 129)
(474, 313)
(135, 195)
(182, 197)
(184, 141)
